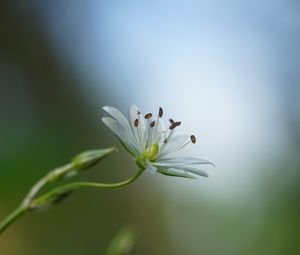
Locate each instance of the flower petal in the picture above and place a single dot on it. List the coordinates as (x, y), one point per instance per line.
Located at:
(115, 113)
(191, 170)
(151, 168)
(173, 173)
(168, 162)
(133, 115)
(120, 131)
(173, 145)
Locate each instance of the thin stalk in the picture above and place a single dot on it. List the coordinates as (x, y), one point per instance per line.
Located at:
(43, 182)
(76, 185)
(43, 199)
(13, 216)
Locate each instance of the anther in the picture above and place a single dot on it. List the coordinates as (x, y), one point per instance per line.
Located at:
(152, 124)
(166, 140)
(193, 139)
(138, 112)
(136, 122)
(171, 121)
(174, 125)
(178, 123)
(148, 116)
(160, 112)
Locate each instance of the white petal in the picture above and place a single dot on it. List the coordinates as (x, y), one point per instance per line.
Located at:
(175, 173)
(161, 126)
(191, 170)
(173, 145)
(151, 168)
(115, 113)
(120, 131)
(160, 133)
(185, 166)
(183, 161)
(133, 115)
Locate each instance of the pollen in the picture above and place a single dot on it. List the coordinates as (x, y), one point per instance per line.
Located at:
(148, 116)
(160, 112)
(193, 139)
(136, 122)
(174, 125)
(152, 124)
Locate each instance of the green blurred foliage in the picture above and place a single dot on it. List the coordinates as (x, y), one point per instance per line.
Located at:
(123, 242)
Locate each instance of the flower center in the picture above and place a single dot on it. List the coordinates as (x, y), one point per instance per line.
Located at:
(151, 139)
(151, 153)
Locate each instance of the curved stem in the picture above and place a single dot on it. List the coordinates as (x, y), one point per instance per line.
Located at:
(11, 218)
(59, 191)
(76, 185)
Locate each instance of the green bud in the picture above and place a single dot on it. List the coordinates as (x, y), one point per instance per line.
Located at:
(49, 200)
(81, 162)
(87, 159)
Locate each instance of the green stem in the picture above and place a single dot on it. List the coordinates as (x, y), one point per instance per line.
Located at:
(43, 182)
(11, 218)
(76, 185)
(56, 192)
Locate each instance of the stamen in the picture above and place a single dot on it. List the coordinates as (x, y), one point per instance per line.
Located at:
(152, 124)
(149, 134)
(136, 122)
(160, 112)
(171, 121)
(155, 133)
(174, 125)
(193, 139)
(168, 137)
(148, 116)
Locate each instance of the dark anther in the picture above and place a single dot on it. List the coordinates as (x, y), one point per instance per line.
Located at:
(138, 112)
(165, 141)
(178, 123)
(193, 139)
(174, 125)
(152, 124)
(148, 116)
(160, 112)
(136, 122)
(171, 121)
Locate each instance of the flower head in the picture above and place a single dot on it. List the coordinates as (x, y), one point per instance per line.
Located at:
(152, 145)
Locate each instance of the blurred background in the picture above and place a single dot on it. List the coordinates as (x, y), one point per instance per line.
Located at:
(229, 70)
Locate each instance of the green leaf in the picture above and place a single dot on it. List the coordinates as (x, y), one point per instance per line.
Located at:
(167, 172)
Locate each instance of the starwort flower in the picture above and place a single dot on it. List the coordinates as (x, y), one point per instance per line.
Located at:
(152, 145)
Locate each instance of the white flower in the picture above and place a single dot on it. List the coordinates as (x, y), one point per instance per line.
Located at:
(152, 145)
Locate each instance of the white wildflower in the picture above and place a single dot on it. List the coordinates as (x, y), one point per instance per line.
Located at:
(145, 137)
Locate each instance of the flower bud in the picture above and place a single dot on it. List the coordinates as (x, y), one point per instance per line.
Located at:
(81, 162)
(87, 159)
